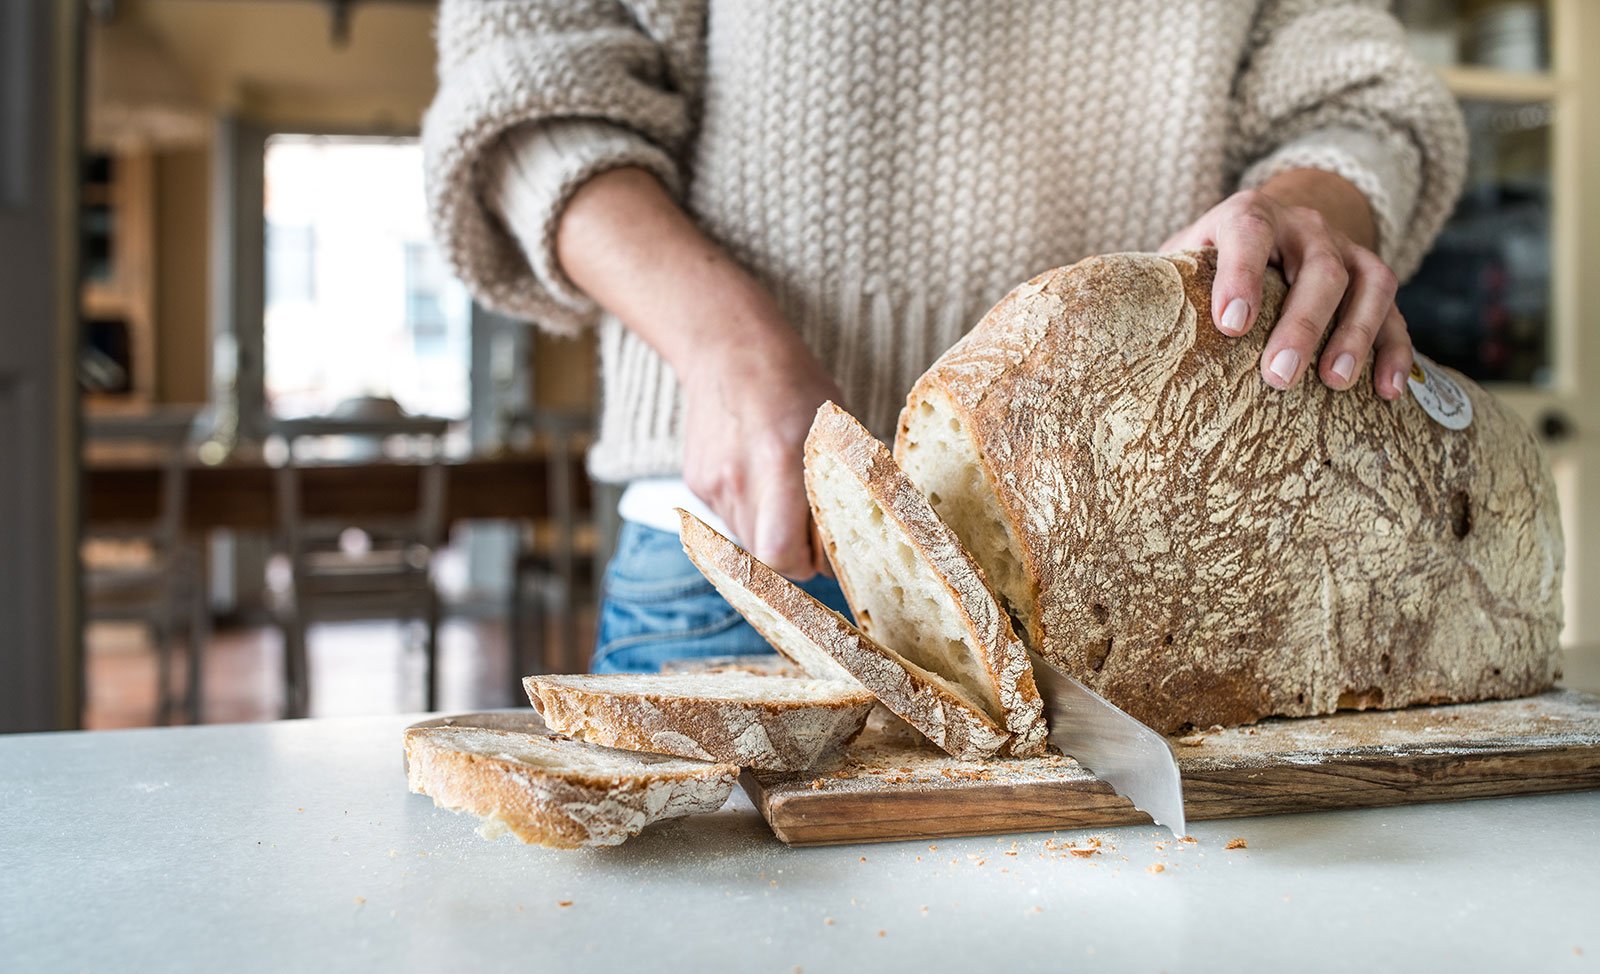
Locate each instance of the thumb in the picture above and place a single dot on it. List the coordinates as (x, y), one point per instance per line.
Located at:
(782, 536)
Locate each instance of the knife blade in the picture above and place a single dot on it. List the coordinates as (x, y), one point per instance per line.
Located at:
(1133, 759)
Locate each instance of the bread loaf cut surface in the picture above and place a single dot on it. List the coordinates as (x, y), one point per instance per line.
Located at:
(769, 722)
(909, 581)
(804, 629)
(1203, 549)
(554, 792)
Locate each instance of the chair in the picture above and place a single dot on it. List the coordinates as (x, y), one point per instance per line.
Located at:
(148, 571)
(387, 575)
(556, 557)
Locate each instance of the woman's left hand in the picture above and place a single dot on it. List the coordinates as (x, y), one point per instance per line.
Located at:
(1319, 229)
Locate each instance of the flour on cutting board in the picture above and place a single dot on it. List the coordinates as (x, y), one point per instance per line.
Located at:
(889, 757)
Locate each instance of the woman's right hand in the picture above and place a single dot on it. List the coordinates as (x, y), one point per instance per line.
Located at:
(747, 408)
(750, 385)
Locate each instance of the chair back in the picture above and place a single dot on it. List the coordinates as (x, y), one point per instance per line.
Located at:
(341, 441)
(559, 430)
(164, 434)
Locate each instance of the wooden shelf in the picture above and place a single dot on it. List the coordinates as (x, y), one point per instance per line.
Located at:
(104, 299)
(1489, 84)
(129, 294)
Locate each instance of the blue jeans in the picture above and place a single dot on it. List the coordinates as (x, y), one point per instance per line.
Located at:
(656, 606)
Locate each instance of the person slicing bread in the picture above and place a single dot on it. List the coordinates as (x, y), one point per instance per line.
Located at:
(766, 206)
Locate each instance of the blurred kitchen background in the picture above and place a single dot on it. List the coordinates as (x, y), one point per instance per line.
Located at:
(314, 478)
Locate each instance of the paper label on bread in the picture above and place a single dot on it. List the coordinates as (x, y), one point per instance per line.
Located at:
(1438, 394)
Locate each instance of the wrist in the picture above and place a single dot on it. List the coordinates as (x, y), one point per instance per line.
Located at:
(734, 337)
(1341, 204)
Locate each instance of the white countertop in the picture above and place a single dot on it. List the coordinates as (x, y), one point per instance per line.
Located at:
(295, 846)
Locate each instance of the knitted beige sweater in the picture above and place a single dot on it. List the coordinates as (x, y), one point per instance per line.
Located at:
(890, 169)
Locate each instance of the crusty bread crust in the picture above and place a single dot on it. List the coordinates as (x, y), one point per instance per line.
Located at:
(1202, 549)
(738, 576)
(768, 722)
(939, 552)
(478, 771)
(768, 600)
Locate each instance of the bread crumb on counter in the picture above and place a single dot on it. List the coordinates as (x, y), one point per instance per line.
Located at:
(1237, 844)
(563, 903)
(1155, 867)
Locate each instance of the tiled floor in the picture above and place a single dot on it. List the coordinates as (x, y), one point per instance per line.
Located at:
(356, 668)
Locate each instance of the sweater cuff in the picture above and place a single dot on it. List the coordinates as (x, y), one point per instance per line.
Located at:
(528, 177)
(1387, 172)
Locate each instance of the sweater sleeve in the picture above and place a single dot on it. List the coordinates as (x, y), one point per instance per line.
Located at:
(534, 97)
(1334, 86)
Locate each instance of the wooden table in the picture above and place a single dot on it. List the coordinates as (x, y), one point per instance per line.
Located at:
(239, 493)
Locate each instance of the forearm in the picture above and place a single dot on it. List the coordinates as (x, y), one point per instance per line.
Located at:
(750, 385)
(1341, 204)
(625, 242)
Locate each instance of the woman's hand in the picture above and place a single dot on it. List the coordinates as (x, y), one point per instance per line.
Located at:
(748, 405)
(1319, 229)
(750, 385)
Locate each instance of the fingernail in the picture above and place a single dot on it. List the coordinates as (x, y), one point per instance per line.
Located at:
(1343, 366)
(1399, 385)
(1283, 365)
(1233, 316)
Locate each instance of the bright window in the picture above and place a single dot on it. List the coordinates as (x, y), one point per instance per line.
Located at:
(359, 302)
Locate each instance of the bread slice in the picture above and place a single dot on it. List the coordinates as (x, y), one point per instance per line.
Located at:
(734, 571)
(911, 584)
(554, 792)
(824, 642)
(773, 723)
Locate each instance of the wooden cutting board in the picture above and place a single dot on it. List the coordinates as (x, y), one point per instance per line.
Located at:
(891, 784)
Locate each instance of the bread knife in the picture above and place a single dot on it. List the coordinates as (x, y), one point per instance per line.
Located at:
(1134, 760)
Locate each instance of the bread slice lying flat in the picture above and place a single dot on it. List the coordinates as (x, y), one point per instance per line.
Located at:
(824, 642)
(773, 723)
(911, 584)
(558, 793)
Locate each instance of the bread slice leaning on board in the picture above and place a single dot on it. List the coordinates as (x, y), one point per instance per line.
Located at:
(1203, 549)
(826, 645)
(909, 581)
(558, 793)
(774, 723)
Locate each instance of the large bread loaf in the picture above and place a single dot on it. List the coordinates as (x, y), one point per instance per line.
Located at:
(1203, 549)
